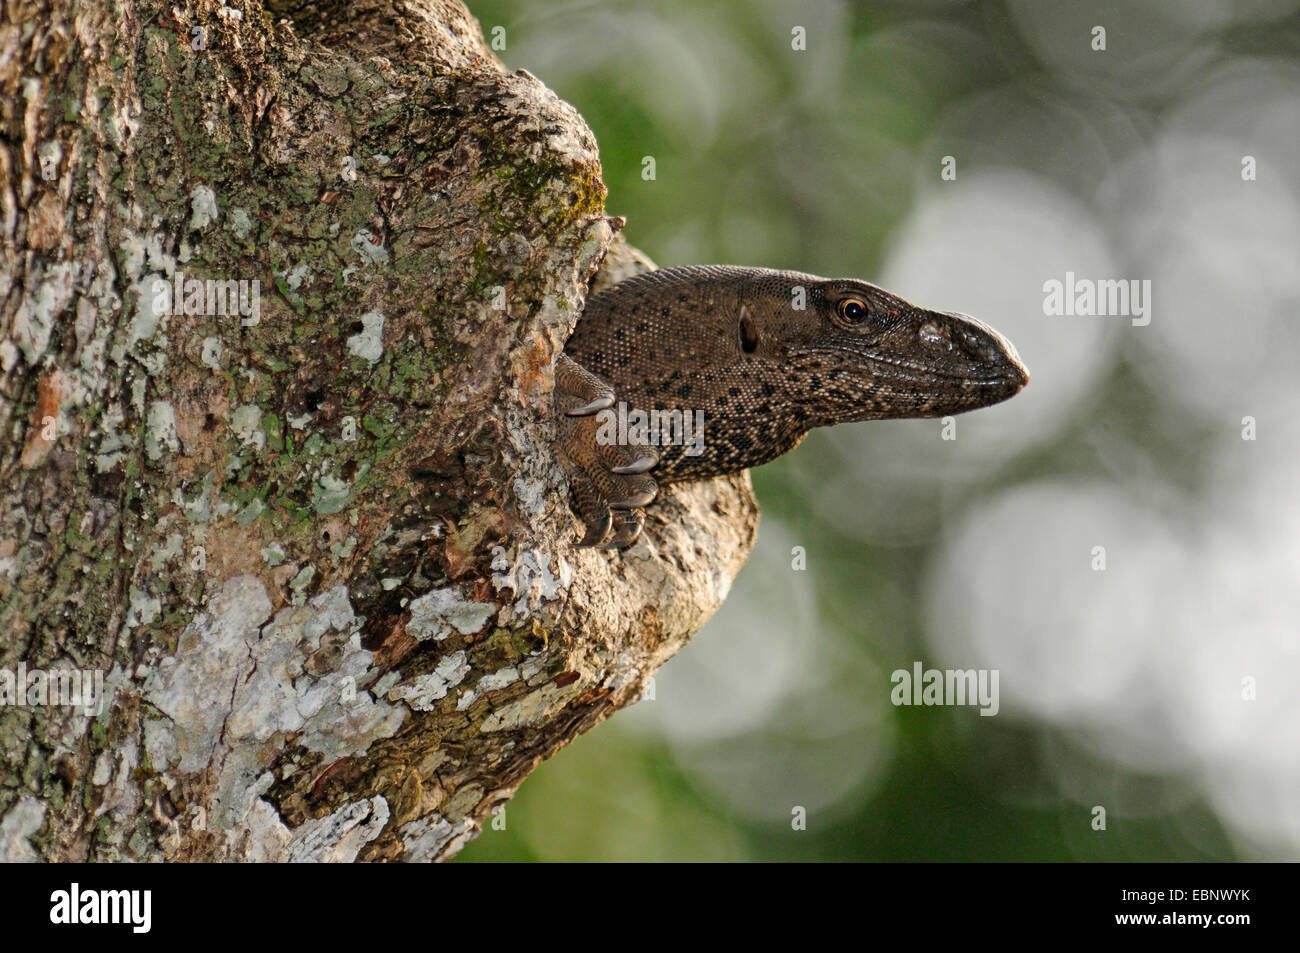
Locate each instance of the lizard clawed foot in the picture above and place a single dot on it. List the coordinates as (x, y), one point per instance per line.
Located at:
(627, 528)
(572, 380)
(610, 481)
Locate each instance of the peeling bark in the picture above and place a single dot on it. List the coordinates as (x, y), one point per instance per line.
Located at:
(319, 547)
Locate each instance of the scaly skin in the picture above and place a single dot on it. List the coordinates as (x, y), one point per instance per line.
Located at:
(730, 342)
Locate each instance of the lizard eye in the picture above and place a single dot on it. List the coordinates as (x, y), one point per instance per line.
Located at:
(852, 309)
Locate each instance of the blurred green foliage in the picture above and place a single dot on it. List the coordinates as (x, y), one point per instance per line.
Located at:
(808, 161)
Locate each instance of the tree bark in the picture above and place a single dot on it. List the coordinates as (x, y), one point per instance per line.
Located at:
(318, 546)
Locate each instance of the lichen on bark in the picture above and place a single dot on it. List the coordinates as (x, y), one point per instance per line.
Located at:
(319, 546)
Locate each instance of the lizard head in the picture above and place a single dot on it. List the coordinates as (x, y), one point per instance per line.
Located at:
(872, 355)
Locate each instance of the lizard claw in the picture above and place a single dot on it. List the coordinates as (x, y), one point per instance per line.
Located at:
(610, 481)
(573, 380)
(641, 465)
(644, 498)
(627, 529)
(595, 407)
(597, 531)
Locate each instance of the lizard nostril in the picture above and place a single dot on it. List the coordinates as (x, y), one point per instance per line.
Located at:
(931, 333)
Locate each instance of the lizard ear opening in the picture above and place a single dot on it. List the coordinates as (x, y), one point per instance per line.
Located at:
(748, 331)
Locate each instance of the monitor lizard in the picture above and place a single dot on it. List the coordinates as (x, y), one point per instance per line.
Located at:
(759, 357)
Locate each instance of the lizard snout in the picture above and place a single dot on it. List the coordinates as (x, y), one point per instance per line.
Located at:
(987, 351)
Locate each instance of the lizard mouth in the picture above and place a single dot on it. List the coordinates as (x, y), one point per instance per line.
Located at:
(1012, 376)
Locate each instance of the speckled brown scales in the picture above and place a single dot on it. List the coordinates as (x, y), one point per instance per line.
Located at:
(765, 356)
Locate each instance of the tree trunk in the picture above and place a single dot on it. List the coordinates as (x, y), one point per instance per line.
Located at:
(282, 287)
